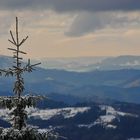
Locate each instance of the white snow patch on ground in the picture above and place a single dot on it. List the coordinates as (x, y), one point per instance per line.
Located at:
(69, 112)
(4, 112)
(111, 111)
(105, 119)
(111, 126)
(86, 125)
(92, 124)
(46, 114)
(111, 114)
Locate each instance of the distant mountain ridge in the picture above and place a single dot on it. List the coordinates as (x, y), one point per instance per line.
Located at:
(92, 63)
(83, 64)
(5, 61)
(72, 87)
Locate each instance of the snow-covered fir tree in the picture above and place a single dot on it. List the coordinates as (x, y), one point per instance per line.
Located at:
(18, 103)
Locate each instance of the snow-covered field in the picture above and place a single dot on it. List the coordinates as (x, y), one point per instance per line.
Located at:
(110, 115)
(46, 114)
(49, 113)
(69, 112)
(107, 119)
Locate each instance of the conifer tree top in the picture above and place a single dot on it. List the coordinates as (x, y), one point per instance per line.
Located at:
(18, 102)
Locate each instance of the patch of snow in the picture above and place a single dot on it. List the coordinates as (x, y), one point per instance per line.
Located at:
(86, 125)
(111, 111)
(4, 114)
(111, 126)
(46, 114)
(105, 119)
(49, 113)
(92, 124)
(111, 114)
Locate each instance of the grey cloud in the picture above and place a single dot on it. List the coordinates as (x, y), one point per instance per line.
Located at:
(86, 23)
(72, 5)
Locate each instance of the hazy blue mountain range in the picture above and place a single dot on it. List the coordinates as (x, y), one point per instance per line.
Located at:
(5, 61)
(83, 63)
(92, 63)
(71, 64)
(72, 87)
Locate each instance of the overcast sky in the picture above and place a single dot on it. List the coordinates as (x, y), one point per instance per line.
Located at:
(73, 28)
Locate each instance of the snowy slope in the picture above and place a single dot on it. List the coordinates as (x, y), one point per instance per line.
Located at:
(48, 113)
(104, 120)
